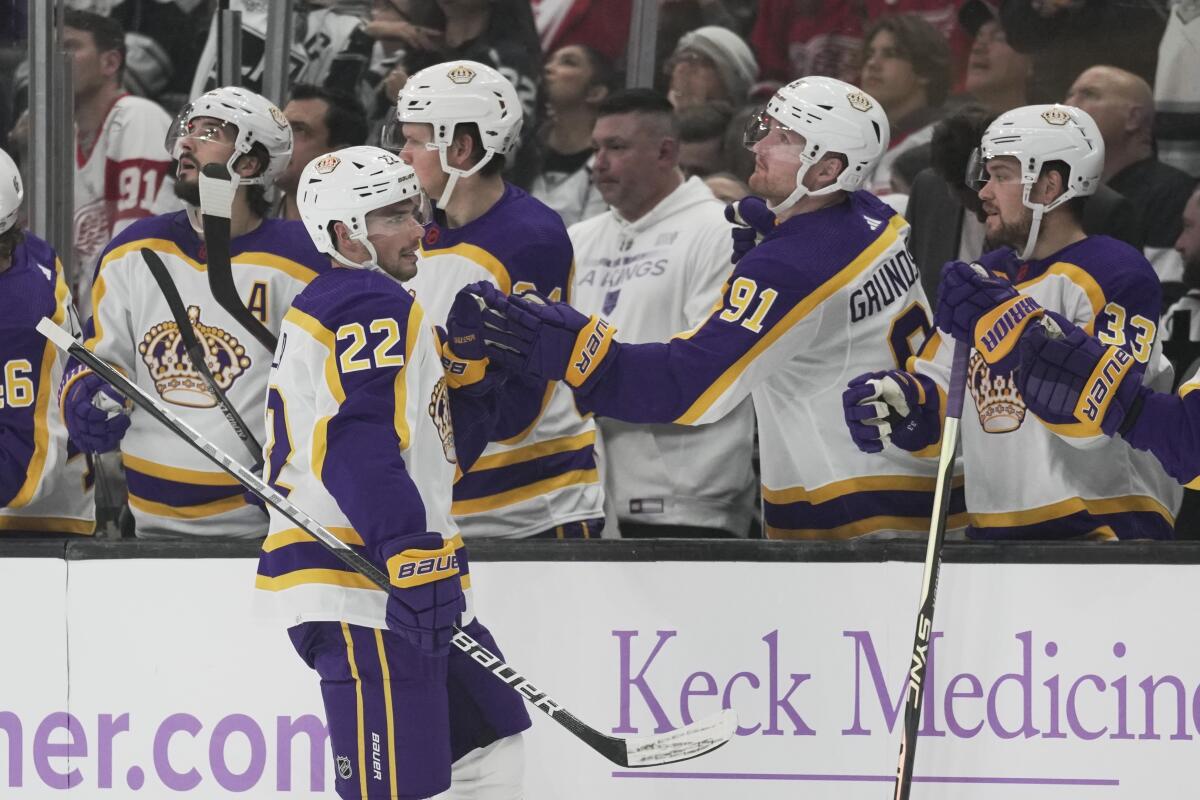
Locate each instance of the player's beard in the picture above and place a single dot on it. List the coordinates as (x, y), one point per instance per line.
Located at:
(1191, 272)
(399, 269)
(1010, 234)
(188, 191)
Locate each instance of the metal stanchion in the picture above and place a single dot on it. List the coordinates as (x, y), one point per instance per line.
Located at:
(38, 169)
(643, 37)
(49, 174)
(277, 56)
(229, 46)
(61, 232)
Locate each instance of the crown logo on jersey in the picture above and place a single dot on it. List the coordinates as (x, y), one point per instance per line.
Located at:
(461, 74)
(1000, 406)
(327, 164)
(1056, 116)
(859, 101)
(176, 380)
(439, 412)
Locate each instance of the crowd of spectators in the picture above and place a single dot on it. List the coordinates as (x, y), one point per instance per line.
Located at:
(942, 70)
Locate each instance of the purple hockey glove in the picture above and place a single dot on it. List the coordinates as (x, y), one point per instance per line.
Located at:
(464, 356)
(1068, 377)
(531, 335)
(95, 413)
(426, 598)
(894, 406)
(752, 220)
(983, 310)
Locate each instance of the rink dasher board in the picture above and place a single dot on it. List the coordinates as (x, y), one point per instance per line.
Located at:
(146, 676)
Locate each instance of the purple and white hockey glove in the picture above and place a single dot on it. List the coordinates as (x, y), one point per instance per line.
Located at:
(984, 310)
(752, 220)
(426, 599)
(531, 335)
(892, 406)
(1068, 377)
(96, 414)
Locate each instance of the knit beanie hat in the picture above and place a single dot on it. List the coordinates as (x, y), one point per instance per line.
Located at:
(729, 52)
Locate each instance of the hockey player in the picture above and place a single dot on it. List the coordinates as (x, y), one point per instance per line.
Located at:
(45, 484)
(455, 124)
(1077, 382)
(830, 290)
(1027, 480)
(173, 491)
(358, 365)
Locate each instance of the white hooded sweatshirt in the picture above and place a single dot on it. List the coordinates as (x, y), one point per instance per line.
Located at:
(654, 278)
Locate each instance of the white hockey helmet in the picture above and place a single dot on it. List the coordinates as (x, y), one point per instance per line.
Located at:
(1036, 136)
(455, 92)
(12, 192)
(833, 117)
(257, 119)
(347, 184)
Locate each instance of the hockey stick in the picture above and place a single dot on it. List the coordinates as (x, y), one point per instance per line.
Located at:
(217, 189)
(638, 751)
(933, 562)
(195, 352)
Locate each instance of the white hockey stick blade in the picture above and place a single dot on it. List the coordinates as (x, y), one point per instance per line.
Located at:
(217, 188)
(61, 339)
(702, 736)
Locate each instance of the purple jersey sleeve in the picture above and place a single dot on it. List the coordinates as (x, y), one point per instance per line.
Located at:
(772, 290)
(1168, 427)
(26, 295)
(364, 469)
(497, 415)
(1126, 291)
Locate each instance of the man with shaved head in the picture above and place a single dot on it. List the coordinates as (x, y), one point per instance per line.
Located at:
(1123, 106)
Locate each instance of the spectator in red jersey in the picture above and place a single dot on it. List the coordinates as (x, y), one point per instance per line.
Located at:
(794, 38)
(906, 67)
(121, 165)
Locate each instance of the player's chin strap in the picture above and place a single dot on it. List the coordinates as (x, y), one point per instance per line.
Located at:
(801, 191)
(455, 173)
(1039, 210)
(372, 262)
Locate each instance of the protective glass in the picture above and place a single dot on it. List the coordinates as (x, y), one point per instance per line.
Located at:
(392, 137)
(764, 129)
(389, 220)
(200, 129)
(976, 175)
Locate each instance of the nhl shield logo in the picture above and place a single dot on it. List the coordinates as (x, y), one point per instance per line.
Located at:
(461, 74)
(859, 101)
(327, 164)
(343, 768)
(1056, 116)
